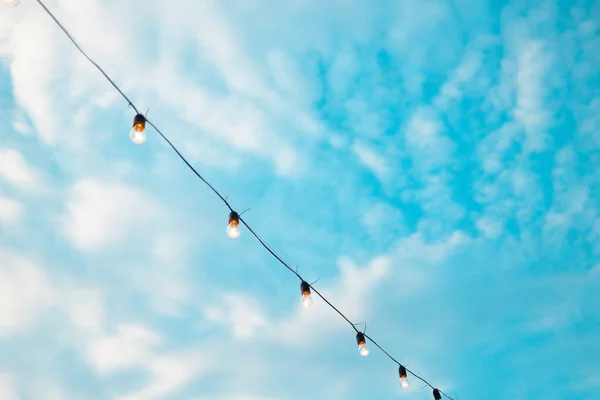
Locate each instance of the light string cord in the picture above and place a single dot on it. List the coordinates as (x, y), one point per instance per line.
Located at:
(224, 200)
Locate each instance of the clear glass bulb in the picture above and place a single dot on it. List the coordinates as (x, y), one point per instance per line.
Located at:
(362, 349)
(12, 3)
(233, 231)
(137, 137)
(307, 301)
(404, 383)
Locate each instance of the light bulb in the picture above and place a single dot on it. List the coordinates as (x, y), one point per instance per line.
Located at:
(12, 3)
(305, 290)
(233, 229)
(362, 349)
(137, 137)
(138, 132)
(402, 373)
(307, 301)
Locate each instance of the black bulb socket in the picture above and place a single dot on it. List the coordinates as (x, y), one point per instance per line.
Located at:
(402, 372)
(360, 338)
(233, 216)
(304, 288)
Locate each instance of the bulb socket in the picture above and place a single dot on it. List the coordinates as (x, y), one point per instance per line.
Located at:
(305, 288)
(360, 338)
(139, 123)
(437, 395)
(234, 219)
(402, 372)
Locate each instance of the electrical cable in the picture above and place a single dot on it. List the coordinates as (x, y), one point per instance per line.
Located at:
(223, 199)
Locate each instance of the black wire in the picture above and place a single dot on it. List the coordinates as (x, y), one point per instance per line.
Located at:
(224, 200)
(273, 253)
(190, 166)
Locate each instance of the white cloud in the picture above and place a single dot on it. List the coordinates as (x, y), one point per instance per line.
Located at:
(378, 216)
(22, 127)
(571, 198)
(47, 390)
(425, 139)
(170, 373)
(492, 149)
(240, 312)
(33, 46)
(416, 247)
(372, 160)
(453, 89)
(132, 346)
(25, 291)
(168, 289)
(10, 210)
(86, 309)
(490, 227)
(135, 347)
(15, 169)
(251, 110)
(101, 215)
(8, 390)
(531, 108)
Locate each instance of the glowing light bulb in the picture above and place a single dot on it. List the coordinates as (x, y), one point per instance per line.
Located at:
(362, 344)
(305, 290)
(233, 229)
(137, 137)
(362, 349)
(307, 301)
(402, 373)
(12, 3)
(138, 132)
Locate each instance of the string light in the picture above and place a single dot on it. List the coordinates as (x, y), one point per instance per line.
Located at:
(12, 3)
(305, 290)
(233, 229)
(404, 381)
(138, 132)
(362, 344)
(234, 218)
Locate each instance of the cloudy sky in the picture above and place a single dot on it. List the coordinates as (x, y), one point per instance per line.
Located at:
(433, 163)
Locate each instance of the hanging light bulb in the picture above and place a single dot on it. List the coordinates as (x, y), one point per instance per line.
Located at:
(402, 372)
(362, 348)
(138, 132)
(437, 395)
(233, 229)
(306, 299)
(12, 3)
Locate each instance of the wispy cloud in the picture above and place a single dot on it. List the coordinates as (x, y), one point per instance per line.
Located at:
(433, 165)
(26, 291)
(10, 210)
(7, 387)
(373, 161)
(100, 214)
(16, 170)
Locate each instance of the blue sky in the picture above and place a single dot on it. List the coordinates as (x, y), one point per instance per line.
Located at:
(433, 163)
